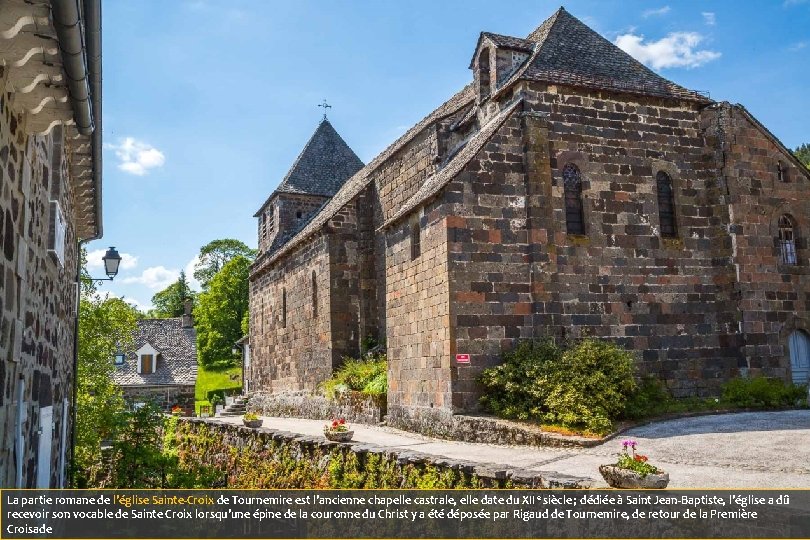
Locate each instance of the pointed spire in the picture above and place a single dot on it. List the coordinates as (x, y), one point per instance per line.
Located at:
(323, 166)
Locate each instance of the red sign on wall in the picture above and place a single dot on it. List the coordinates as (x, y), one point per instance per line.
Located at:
(463, 358)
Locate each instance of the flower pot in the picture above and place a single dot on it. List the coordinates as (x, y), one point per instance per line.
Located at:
(339, 436)
(627, 479)
(252, 423)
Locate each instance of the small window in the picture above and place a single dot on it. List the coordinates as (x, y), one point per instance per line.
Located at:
(666, 205)
(787, 241)
(484, 82)
(119, 359)
(147, 364)
(284, 308)
(298, 214)
(416, 241)
(572, 181)
(314, 295)
(781, 172)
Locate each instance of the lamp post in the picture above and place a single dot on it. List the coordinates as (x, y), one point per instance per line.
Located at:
(112, 260)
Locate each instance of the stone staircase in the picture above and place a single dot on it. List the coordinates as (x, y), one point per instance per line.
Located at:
(237, 408)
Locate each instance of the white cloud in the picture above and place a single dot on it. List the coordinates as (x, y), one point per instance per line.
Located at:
(137, 157)
(140, 306)
(94, 260)
(189, 269)
(656, 12)
(709, 18)
(155, 277)
(675, 50)
(799, 45)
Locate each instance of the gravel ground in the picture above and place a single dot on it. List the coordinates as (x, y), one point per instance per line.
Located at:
(756, 450)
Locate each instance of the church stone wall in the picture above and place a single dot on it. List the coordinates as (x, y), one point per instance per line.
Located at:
(418, 321)
(291, 349)
(37, 295)
(774, 298)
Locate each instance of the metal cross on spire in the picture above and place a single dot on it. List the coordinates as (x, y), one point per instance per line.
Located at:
(325, 106)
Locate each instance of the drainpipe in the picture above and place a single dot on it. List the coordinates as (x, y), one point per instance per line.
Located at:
(68, 24)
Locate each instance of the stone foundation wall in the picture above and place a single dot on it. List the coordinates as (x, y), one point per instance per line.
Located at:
(37, 296)
(164, 397)
(269, 459)
(353, 406)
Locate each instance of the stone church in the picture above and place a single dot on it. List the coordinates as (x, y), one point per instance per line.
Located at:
(566, 191)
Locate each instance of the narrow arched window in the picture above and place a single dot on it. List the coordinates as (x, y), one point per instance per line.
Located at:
(787, 241)
(314, 295)
(666, 204)
(416, 241)
(572, 181)
(284, 308)
(484, 83)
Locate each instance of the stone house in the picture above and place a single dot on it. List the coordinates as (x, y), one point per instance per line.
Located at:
(566, 191)
(163, 367)
(50, 202)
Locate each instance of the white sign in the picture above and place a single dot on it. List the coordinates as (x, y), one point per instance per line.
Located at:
(56, 244)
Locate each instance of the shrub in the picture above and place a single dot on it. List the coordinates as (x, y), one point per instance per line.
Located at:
(367, 375)
(583, 386)
(762, 392)
(649, 399)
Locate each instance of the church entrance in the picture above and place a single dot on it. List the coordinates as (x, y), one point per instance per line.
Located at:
(799, 345)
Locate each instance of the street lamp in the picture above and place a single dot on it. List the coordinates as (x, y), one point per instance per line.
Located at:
(112, 260)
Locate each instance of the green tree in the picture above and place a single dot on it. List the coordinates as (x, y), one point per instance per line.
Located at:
(220, 310)
(215, 254)
(106, 326)
(803, 153)
(170, 302)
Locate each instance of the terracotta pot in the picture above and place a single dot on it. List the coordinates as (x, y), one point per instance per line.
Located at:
(339, 436)
(252, 423)
(627, 479)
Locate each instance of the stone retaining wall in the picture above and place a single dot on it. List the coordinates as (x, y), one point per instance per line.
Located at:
(353, 406)
(267, 458)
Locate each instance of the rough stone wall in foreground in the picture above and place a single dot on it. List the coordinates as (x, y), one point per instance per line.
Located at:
(37, 294)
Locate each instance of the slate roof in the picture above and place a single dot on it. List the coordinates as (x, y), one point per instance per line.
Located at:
(463, 98)
(507, 42)
(322, 167)
(569, 52)
(177, 358)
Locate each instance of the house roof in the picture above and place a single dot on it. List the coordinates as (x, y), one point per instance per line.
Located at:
(322, 167)
(569, 52)
(177, 361)
(507, 42)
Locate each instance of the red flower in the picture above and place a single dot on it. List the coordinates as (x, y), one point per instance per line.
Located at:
(342, 421)
(334, 423)
(640, 458)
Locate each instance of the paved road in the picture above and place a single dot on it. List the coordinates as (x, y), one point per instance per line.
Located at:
(767, 449)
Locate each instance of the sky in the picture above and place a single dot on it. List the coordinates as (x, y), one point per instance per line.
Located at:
(207, 103)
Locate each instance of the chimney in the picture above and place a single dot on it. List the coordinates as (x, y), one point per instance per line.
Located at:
(188, 320)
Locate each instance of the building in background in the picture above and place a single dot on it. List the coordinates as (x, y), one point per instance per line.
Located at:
(163, 367)
(50, 201)
(566, 191)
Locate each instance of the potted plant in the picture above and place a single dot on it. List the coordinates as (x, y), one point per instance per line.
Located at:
(251, 419)
(633, 471)
(338, 430)
(177, 410)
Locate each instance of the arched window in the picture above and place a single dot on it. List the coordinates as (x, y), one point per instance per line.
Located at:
(484, 84)
(572, 181)
(416, 241)
(787, 241)
(666, 204)
(314, 295)
(284, 308)
(799, 347)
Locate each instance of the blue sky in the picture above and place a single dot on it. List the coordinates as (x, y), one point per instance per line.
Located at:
(208, 102)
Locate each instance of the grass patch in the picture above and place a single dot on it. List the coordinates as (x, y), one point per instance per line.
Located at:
(224, 379)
